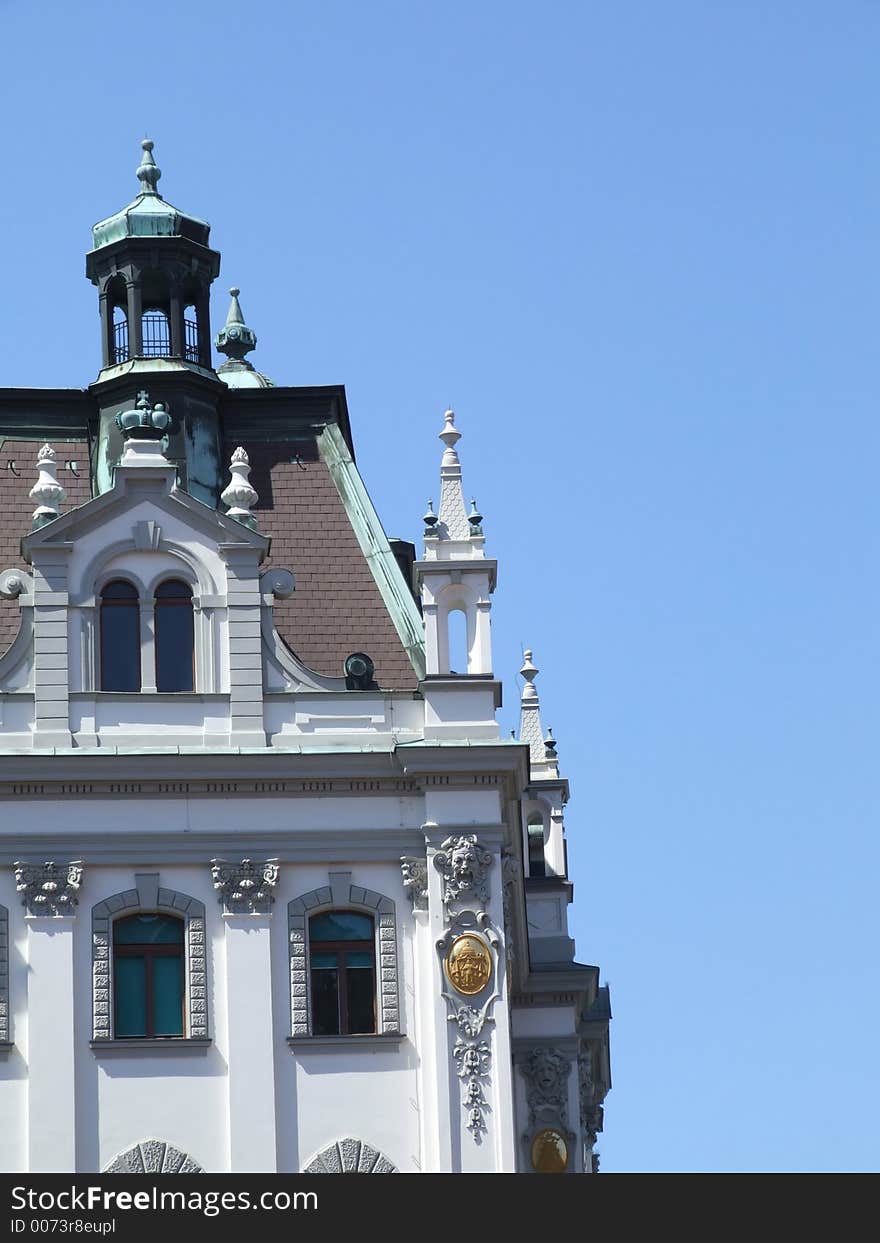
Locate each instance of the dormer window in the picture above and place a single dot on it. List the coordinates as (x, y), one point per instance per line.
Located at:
(120, 637)
(147, 644)
(174, 636)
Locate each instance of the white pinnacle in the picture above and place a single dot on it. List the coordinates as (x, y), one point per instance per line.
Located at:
(47, 492)
(239, 494)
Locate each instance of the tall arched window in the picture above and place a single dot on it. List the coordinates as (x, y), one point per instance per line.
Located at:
(456, 623)
(191, 334)
(155, 333)
(174, 637)
(342, 963)
(120, 637)
(537, 858)
(148, 976)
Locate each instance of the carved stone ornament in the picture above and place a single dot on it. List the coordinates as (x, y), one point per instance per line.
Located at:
(350, 1156)
(468, 964)
(473, 1061)
(153, 1156)
(49, 888)
(415, 880)
(464, 865)
(546, 1074)
(511, 876)
(245, 888)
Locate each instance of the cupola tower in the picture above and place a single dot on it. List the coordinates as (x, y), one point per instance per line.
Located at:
(153, 268)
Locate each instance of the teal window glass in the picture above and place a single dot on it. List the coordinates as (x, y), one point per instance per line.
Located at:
(148, 976)
(130, 979)
(342, 967)
(340, 926)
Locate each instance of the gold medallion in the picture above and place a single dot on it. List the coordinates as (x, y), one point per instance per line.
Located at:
(549, 1153)
(468, 965)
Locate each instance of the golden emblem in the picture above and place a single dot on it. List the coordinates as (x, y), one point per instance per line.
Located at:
(468, 965)
(549, 1153)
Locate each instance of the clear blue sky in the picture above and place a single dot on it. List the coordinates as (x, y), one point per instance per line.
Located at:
(635, 245)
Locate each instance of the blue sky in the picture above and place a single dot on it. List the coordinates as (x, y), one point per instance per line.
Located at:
(635, 246)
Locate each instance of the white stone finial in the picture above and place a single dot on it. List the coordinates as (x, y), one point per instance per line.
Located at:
(450, 437)
(529, 671)
(47, 492)
(239, 494)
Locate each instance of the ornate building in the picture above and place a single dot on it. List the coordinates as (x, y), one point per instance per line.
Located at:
(274, 893)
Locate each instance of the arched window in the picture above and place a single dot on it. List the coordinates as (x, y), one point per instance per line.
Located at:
(155, 333)
(191, 334)
(120, 335)
(148, 978)
(456, 622)
(342, 963)
(120, 637)
(537, 858)
(174, 636)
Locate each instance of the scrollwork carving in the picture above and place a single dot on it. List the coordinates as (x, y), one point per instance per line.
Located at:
(415, 880)
(245, 888)
(473, 1062)
(49, 888)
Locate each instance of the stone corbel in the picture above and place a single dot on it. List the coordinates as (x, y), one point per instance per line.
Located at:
(245, 888)
(49, 888)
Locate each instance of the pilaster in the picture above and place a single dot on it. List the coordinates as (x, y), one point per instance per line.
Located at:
(50, 1044)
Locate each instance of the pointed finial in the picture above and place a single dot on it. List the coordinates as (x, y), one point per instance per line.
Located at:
(235, 339)
(529, 671)
(148, 172)
(450, 437)
(239, 493)
(475, 518)
(47, 492)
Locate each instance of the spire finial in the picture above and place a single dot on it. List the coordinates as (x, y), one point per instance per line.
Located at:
(235, 339)
(239, 494)
(530, 729)
(148, 172)
(47, 492)
(450, 437)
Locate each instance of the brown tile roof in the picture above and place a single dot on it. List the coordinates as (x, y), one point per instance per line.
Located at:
(16, 507)
(336, 608)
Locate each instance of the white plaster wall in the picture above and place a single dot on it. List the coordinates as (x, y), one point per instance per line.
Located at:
(370, 1094)
(13, 1067)
(181, 1099)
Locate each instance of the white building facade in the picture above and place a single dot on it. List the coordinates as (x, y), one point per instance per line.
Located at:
(275, 895)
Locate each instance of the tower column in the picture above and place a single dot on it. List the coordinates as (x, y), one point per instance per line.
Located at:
(203, 316)
(135, 311)
(106, 330)
(176, 317)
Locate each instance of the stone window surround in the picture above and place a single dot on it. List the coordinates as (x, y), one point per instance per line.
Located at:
(149, 896)
(5, 1042)
(341, 894)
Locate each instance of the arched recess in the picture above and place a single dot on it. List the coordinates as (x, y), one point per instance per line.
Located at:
(341, 894)
(457, 598)
(153, 1156)
(350, 1156)
(149, 896)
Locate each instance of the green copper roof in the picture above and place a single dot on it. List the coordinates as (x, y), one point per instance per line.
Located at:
(149, 215)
